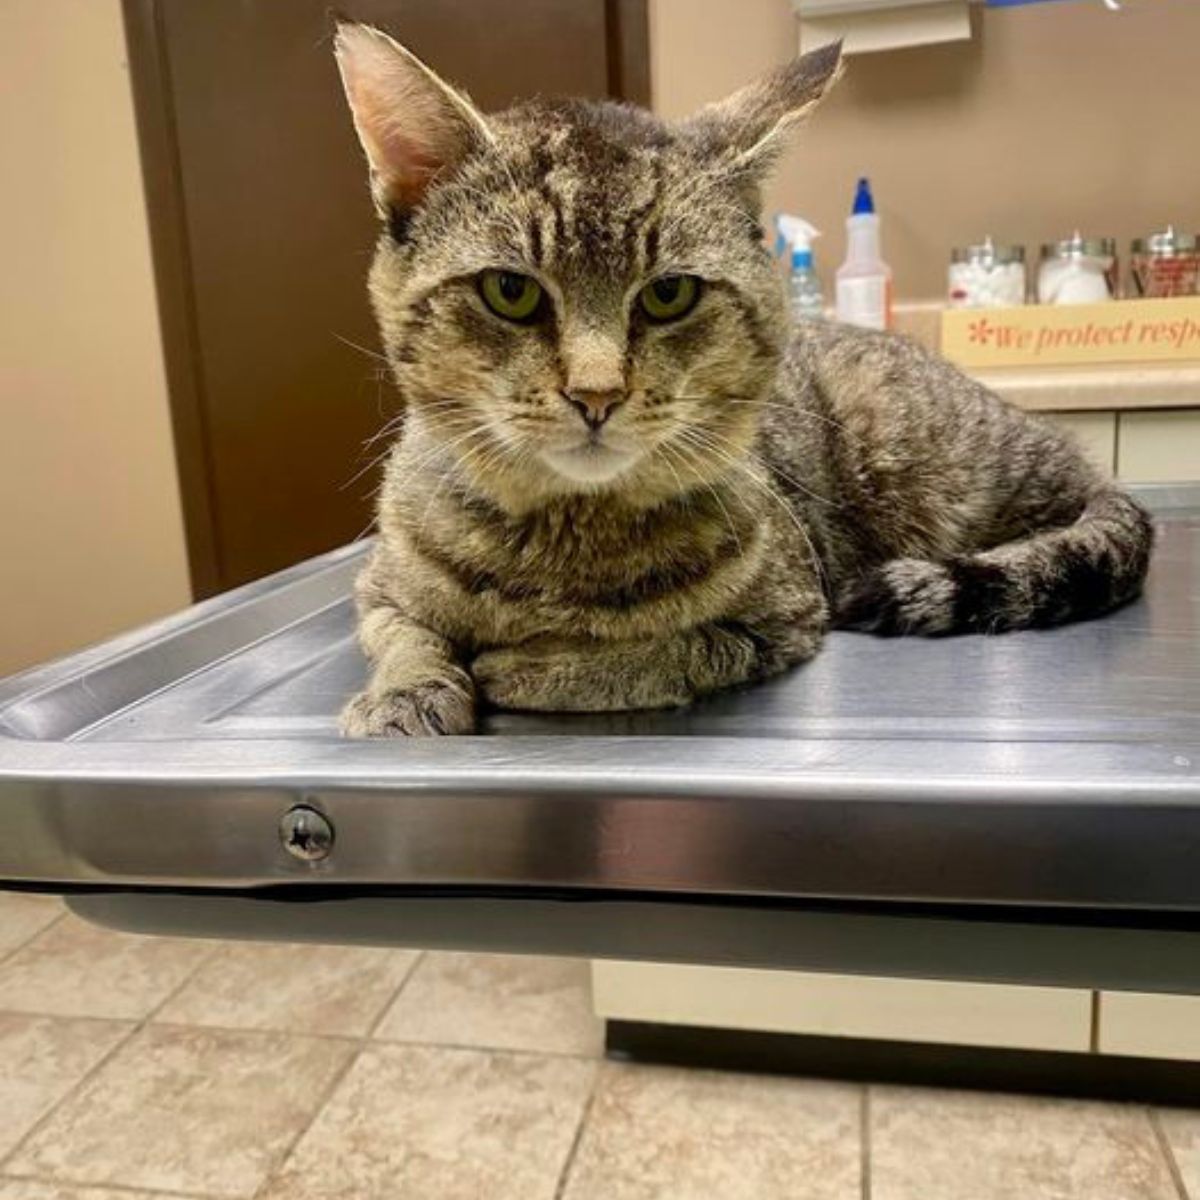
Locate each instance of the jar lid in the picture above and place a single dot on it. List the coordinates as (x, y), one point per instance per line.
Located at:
(988, 253)
(1166, 243)
(1077, 246)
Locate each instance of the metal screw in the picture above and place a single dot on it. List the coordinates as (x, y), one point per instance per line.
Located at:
(306, 834)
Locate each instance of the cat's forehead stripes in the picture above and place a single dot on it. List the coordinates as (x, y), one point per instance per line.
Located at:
(591, 203)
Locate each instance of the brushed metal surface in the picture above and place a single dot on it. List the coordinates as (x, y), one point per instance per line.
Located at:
(1041, 768)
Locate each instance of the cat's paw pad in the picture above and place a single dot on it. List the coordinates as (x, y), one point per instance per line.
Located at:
(906, 595)
(430, 709)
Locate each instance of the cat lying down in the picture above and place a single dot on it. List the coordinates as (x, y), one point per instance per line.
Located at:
(623, 480)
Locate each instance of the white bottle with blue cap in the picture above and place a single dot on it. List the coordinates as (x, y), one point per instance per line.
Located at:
(864, 280)
(805, 296)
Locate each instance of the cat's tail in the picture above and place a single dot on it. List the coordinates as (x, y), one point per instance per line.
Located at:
(1079, 570)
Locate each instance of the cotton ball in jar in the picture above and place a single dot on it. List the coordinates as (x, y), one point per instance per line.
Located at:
(987, 276)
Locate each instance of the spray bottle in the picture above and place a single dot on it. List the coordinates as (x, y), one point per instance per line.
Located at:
(804, 287)
(864, 280)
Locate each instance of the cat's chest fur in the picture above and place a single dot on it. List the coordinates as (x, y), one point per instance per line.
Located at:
(576, 567)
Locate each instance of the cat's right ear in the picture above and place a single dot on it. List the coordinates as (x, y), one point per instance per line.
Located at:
(747, 130)
(412, 125)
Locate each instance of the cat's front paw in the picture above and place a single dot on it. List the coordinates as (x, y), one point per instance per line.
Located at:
(535, 675)
(430, 709)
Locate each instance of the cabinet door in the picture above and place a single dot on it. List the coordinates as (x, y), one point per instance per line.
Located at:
(1149, 1025)
(263, 231)
(1159, 447)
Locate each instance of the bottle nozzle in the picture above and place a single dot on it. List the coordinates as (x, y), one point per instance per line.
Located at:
(795, 232)
(863, 200)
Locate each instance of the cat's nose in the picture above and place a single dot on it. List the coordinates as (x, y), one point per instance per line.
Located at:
(594, 407)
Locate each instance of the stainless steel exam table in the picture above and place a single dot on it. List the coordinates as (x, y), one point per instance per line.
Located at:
(1018, 808)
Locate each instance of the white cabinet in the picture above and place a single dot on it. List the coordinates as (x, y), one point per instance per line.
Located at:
(1096, 432)
(1033, 1018)
(1149, 1025)
(1145, 446)
(1159, 446)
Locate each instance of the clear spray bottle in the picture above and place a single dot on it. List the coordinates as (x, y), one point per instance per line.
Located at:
(805, 295)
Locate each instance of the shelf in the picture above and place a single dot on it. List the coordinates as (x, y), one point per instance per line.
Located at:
(1071, 389)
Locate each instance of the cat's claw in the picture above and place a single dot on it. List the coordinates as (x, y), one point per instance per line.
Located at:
(431, 709)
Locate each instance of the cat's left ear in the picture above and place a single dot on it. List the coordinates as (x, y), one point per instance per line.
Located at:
(748, 128)
(413, 125)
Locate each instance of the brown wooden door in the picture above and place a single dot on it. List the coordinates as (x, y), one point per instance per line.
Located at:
(263, 231)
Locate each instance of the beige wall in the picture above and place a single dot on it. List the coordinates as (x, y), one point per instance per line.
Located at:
(1053, 116)
(91, 538)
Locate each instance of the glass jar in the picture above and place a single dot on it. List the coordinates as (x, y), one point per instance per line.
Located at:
(1165, 264)
(986, 275)
(1078, 270)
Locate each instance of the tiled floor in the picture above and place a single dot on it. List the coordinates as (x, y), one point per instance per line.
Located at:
(140, 1068)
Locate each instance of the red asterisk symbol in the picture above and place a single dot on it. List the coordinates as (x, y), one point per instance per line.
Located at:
(980, 331)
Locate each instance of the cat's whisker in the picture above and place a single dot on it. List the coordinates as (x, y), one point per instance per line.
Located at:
(370, 525)
(389, 427)
(396, 422)
(447, 475)
(798, 411)
(445, 449)
(753, 402)
(743, 468)
(800, 487)
(720, 504)
(373, 354)
(364, 470)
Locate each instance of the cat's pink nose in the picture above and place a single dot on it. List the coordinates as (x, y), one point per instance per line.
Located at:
(594, 407)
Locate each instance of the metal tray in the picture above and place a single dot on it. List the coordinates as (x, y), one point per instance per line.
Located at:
(1050, 770)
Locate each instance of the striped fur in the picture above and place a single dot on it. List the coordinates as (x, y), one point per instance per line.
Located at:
(752, 488)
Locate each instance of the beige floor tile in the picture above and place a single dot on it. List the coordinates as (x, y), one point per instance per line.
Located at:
(1182, 1131)
(659, 1134)
(504, 1002)
(30, 1189)
(79, 970)
(189, 1110)
(297, 988)
(23, 914)
(935, 1145)
(424, 1123)
(41, 1059)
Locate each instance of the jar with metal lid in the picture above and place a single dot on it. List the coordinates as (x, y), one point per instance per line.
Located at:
(1165, 264)
(1078, 270)
(986, 275)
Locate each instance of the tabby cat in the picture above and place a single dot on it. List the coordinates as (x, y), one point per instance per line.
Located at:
(623, 480)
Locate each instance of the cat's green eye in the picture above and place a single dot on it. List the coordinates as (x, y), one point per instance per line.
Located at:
(669, 298)
(510, 295)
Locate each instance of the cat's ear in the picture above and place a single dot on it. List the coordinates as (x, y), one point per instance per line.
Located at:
(412, 124)
(748, 128)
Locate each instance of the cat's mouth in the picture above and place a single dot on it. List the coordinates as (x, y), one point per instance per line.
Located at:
(593, 459)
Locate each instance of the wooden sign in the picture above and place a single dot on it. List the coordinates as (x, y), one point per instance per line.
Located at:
(1122, 331)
